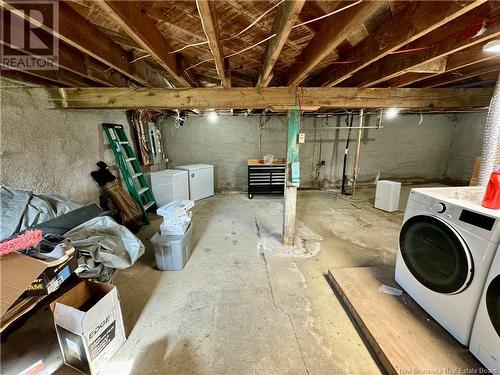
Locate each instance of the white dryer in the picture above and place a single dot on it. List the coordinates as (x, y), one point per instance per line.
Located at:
(485, 339)
(446, 247)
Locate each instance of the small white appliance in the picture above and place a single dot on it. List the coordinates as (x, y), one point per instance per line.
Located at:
(169, 185)
(201, 180)
(485, 339)
(446, 247)
(387, 195)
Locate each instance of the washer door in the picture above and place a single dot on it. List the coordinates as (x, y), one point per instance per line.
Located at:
(493, 303)
(436, 254)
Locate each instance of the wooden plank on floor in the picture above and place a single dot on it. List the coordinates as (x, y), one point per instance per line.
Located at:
(402, 335)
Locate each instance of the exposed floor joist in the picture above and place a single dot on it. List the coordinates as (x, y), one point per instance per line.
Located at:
(208, 15)
(140, 27)
(414, 21)
(394, 65)
(335, 30)
(284, 97)
(462, 74)
(69, 58)
(456, 61)
(282, 26)
(77, 32)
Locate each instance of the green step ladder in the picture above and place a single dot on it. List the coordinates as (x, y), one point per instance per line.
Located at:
(130, 168)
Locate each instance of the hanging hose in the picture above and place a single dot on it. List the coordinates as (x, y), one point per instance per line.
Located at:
(491, 138)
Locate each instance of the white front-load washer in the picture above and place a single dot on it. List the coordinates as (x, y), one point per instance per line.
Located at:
(446, 247)
(485, 339)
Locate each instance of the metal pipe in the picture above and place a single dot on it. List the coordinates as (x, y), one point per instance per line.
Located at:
(491, 138)
(355, 169)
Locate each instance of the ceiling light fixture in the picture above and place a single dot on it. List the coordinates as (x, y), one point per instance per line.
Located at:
(212, 116)
(492, 46)
(391, 113)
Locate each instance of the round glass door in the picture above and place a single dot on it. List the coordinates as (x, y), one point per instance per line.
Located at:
(435, 254)
(493, 303)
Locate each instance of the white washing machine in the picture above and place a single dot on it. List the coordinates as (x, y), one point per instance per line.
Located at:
(485, 339)
(446, 247)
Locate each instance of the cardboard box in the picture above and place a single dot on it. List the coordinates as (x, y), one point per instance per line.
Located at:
(54, 275)
(89, 325)
(18, 273)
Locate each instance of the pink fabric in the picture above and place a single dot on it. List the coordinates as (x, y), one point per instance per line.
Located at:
(23, 241)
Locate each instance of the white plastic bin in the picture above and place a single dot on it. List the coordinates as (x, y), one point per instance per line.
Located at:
(172, 252)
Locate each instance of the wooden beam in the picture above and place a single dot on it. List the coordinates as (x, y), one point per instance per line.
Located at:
(414, 21)
(435, 46)
(284, 97)
(81, 34)
(208, 15)
(456, 61)
(462, 74)
(334, 31)
(281, 28)
(133, 19)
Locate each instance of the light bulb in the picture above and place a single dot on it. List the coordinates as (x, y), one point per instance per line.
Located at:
(493, 46)
(391, 113)
(212, 116)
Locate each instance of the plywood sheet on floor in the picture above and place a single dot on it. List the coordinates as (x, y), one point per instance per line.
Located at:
(401, 333)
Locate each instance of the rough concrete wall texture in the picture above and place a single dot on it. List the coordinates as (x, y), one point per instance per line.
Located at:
(408, 147)
(465, 146)
(52, 151)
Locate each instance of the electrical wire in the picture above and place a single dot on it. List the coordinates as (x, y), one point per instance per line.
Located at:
(327, 15)
(233, 36)
(269, 37)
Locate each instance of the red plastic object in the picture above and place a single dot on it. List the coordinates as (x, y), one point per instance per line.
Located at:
(492, 195)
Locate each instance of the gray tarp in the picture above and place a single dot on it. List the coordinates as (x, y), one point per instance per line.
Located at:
(102, 244)
(21, 209)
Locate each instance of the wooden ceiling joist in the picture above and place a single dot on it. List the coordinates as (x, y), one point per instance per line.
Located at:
(394, 65)
(263, 98)
(208, 16)
(20, 76)
(334, 31)
(76, 31)
(462, 74)
(69, 58)
(281, 28)
(141, 28)
(456, 61)
(412, 22)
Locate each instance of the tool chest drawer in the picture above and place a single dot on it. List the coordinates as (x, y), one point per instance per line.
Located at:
(266, 179)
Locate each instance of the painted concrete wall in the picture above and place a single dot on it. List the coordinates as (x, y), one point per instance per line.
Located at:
(52, 151)
(465, 146)
(406, 148)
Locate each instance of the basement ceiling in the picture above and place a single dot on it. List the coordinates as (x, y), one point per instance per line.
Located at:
(298, 43)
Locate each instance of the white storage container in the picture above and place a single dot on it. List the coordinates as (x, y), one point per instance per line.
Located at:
(201, 180)
(172, 252)
(169, 185)
(387, 195)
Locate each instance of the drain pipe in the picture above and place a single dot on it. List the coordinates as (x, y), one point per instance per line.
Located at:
(491, 138)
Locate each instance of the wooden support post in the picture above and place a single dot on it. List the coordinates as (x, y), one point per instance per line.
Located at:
(355, 173)
(292, 176)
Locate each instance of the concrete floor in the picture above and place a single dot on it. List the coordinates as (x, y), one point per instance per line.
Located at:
(241, 305)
